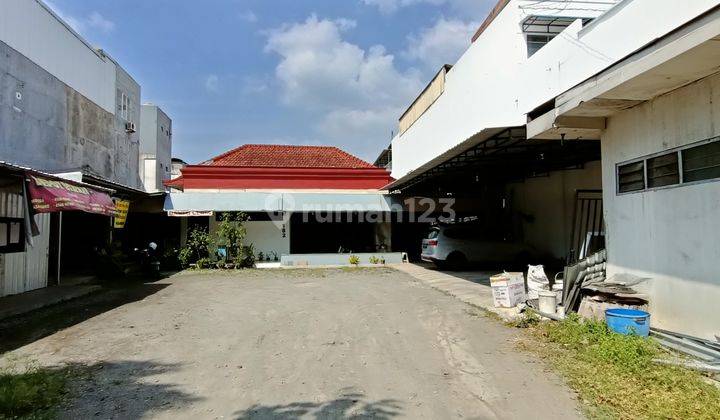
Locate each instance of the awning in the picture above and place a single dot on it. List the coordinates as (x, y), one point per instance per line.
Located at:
(49, 195)
(682, 57)
(277, 202)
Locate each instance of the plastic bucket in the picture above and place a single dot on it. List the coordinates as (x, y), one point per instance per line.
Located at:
(547, 301)
(628, 321)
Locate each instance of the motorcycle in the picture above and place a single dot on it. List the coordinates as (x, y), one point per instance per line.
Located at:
(147, 258)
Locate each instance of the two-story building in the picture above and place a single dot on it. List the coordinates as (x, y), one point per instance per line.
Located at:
(66, 109)
(588, 122)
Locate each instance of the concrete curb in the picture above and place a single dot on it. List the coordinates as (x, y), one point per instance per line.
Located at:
(37, 299)
(460, 285)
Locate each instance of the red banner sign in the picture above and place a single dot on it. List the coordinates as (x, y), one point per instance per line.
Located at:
(49, 195)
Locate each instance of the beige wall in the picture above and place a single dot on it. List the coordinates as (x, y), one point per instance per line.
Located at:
(551, 201)
(670, 235)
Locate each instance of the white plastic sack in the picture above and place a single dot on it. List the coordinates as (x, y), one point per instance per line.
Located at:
(536, 280)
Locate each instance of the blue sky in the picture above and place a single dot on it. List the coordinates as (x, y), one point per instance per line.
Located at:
(229, 72)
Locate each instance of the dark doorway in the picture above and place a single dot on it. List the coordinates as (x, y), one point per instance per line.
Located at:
(322, 233)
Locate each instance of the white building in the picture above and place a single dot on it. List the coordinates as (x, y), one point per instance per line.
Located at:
(155, 148)
(613, 91)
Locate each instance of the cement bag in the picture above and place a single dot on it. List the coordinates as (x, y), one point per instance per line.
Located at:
(536, 281)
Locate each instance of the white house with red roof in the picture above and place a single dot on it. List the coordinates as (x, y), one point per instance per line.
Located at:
(300, 199)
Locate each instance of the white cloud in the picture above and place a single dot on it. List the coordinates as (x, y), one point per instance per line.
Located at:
(82, 25)
(472, 7)
(357, 93)
(254, 85)
(212, 83)
(97, 21)
(319, 69)
(366, 131)
(248, 16)
(442, 43)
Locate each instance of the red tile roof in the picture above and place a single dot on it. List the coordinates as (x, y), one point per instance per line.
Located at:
(287, 156)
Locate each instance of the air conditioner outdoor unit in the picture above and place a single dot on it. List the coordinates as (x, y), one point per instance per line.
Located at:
(130, 127)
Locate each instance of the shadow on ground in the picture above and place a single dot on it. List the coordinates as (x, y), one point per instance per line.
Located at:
(349, 405)
(123, 389)
(24, 329)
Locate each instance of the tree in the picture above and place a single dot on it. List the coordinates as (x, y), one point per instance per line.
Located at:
(231, 232)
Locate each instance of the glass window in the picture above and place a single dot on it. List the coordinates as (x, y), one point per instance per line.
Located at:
(631, 177)
(12, 235)
(701, 162)
(663, 170)
(536, 42)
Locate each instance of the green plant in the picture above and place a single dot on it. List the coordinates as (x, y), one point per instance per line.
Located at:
(32, 393)
(184, 257)
(354, 260)
(374, 260)
(616, 376)
(198, 242)
(204, 263)
(246, 258)
(275, 256)
(261, 256)
(231, 232)
(528, 319)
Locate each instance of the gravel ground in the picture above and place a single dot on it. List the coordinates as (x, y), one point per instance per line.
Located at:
(274, 344)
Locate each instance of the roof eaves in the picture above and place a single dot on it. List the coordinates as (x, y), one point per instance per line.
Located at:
(490, 18)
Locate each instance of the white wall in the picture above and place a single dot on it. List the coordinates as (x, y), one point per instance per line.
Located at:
(265, 236)
(494, 84)
(551, 201)
(31, 29)
(156, 143)
(669, 235)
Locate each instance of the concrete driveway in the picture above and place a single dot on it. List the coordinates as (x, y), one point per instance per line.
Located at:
(274, 344)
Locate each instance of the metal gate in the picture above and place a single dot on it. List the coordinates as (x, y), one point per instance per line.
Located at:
(588, 228)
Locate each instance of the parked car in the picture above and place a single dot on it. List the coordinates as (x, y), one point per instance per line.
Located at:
(458, 245)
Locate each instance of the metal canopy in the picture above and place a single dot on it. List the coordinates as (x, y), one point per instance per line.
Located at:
(548, 24)
(507, 156)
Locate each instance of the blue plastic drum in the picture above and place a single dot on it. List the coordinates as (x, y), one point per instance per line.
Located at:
(628, 321)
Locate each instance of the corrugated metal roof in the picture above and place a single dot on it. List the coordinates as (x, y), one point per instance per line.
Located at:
(18, 168)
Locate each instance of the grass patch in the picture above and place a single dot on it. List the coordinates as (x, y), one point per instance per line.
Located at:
(32, 393)
(615, 377)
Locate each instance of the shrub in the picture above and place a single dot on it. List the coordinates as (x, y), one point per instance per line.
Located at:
(198, 244)
(354, 260)
(231, 233)
(246, 258)
(184, 256)
(204, 263)
(374, 260)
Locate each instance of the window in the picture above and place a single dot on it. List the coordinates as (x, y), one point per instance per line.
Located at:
(12, 235)
(688, 164)
(631, 177)
(701, 162)
(663, 170)
(125, 107)
(536, 42)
